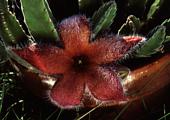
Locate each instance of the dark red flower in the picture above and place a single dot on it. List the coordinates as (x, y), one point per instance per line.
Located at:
(84, 64)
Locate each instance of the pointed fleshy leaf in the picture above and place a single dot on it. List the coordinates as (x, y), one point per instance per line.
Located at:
(131, 26)
(103, 18)
(38, 21)
(10, 28)
(154, 8)
(50, 12)
(153, 44)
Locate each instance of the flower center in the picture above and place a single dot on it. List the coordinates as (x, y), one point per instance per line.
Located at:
(80, 63)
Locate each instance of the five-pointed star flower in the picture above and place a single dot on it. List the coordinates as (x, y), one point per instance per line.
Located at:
(83, 63)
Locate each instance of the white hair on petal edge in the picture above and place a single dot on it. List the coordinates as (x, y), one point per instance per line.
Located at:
(87, 93)
(60, 106)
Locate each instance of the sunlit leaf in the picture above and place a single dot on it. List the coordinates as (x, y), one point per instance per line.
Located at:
(103, 18)
(37, 17)
(154, 42)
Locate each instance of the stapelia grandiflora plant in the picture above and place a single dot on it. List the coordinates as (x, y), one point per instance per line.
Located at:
(81, 65)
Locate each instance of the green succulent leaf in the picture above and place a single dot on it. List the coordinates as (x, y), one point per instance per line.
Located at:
(131, 26)
(37, 17)
(10, 28)
(154, 8)
(49, 11)
(103, 18)
(153, 44)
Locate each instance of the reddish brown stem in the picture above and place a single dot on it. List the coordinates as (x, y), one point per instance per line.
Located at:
(149, 78)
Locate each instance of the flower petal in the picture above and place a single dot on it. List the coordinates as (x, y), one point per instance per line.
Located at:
(110, 49)
(48, 59)
(75, 33)
(68, 92)
(105, 85)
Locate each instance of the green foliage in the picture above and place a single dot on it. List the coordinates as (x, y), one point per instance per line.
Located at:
(103, 18)
(131, 26)
(154, 42)
(37, 17)
(154, 8)
(49, 10)
(10, 29)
